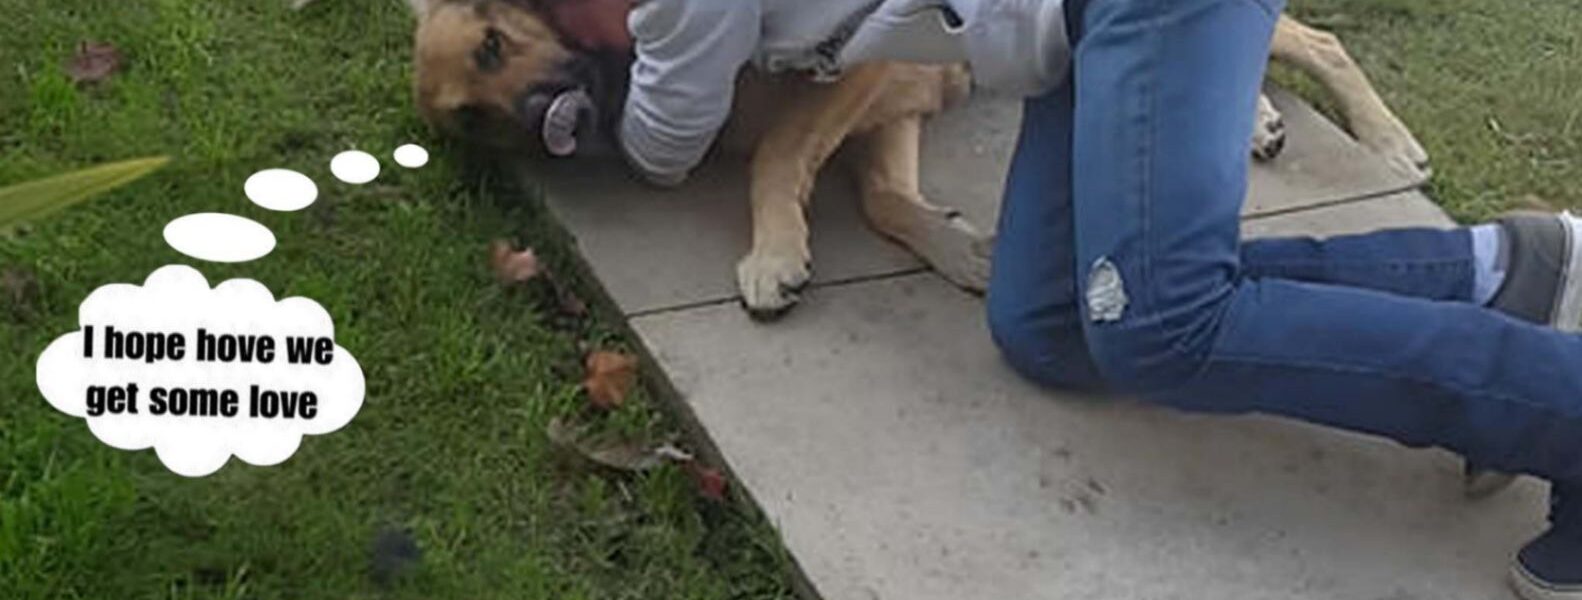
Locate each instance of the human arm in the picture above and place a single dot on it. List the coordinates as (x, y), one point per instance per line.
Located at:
(689, 53)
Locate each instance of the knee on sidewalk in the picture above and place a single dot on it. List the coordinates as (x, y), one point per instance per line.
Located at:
(1047, 349)
(1137, 353)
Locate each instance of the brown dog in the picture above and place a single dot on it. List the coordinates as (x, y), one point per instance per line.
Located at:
(486, 70)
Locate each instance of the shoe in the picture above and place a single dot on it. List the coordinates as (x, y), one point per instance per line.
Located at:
(1550, 566)
(1543, 284)
(1543, 274)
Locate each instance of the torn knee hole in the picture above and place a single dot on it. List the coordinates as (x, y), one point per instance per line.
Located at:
(1106, 292)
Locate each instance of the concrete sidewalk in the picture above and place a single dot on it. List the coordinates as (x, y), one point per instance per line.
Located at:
(877, 429)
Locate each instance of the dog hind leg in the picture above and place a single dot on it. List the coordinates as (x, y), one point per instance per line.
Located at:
(1320, 54)
(894, 205)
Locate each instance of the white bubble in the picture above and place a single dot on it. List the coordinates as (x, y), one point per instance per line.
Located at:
(281, 189)
(219, 237)
(355, 167)
(175, 301)
(411, 156)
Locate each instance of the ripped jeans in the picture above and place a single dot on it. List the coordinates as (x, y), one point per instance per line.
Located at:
(1119, 264)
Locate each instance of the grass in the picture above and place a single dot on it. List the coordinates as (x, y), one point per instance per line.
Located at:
(1493, 89)
(463, 374)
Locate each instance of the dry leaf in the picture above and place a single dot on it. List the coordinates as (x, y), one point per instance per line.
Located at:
(93, 62)
(610, 377)
(566, 300)
(710, 481)
(621, 456)
(511, 266)
(19, 289)
(394, 551)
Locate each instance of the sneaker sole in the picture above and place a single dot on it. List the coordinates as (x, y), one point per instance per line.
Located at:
(1529, 587)
(1568, 306)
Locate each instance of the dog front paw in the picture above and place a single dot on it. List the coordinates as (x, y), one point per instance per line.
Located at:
(1399, 148)
(1268, 131)
(769, 281)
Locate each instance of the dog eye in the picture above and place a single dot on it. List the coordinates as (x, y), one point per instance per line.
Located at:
(487, 56)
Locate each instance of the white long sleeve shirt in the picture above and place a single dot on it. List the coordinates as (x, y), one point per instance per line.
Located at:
(690, 51)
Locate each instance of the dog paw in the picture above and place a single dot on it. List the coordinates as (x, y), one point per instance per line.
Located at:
(957, 251)
(769, 281)
(1268, 132)
(1399, 148)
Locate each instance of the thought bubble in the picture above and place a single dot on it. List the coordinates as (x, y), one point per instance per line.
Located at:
(355, 167)
(411, 156)
(200, 374)
(219, 237)
(281, 189)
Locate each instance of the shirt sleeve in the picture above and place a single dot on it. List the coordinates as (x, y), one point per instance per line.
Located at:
(688, 55)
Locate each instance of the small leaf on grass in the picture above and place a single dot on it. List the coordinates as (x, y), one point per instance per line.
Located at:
(626, 456)
(19, 290)
(566, 299)
(610, 377)
(710, 481)
(93, 62)
(511, 266)
(393, 552)
(17, 284)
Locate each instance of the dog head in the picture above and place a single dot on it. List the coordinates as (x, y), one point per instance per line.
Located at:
(488, 70)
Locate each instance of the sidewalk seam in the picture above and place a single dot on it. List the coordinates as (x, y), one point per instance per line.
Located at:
(833, 283)
(1342, 202)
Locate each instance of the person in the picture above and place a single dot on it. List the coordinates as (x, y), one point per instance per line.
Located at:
(1118, 264)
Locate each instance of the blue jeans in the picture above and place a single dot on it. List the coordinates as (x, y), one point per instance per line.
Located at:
(1119, 264)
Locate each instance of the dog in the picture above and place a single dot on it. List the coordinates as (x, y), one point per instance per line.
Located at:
(486, 70)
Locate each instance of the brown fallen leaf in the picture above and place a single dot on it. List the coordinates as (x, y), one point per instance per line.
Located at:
(710, 481)
(624, 456)
(19, 290)
(566, 300)
(511, 266)
(93, 62)
(610, 377)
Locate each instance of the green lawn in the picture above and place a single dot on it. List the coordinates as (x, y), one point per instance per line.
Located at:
(1492, 88)
(463, 375)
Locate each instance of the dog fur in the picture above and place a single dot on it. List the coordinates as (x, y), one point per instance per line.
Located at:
(476, 58)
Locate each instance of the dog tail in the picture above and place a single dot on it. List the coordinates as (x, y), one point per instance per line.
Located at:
(957, 83)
